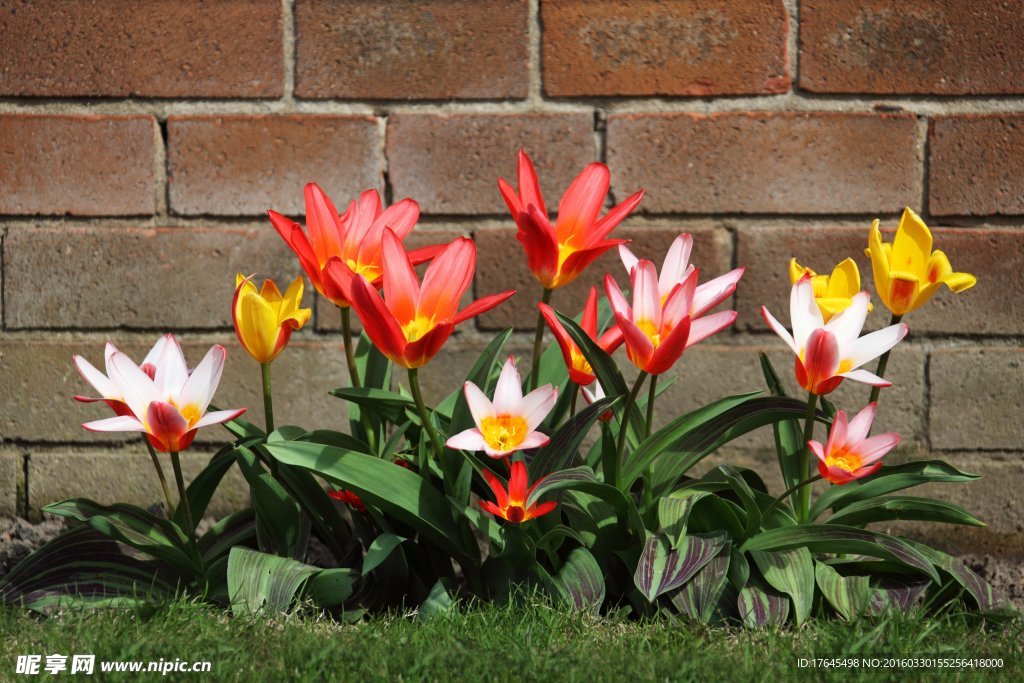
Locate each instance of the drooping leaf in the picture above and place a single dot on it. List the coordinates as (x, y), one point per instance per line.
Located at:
(329, 587)
(897, 593)
(903, 507)
(238, 528)
(387, 404)
(698, 598)
(580, 581)
(761, 605)
(790, 572)
(258, 582)
(582, 479)
(661, 569)
(848, 595)
(379, 551)
(978, 588)
(559, 452)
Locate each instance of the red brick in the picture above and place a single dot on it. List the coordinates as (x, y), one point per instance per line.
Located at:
(244, 165)
(940, 47)
(502, 266)
(439, 49)
(160, 48)
(976, 165)
(977, 395)
(647, 47)
(994, 306)
(77, 165)
(160, 279)
(754, 162)
(451, 163)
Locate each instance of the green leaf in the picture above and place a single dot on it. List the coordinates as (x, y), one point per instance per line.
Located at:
(391, 488)
(559, 452)
(580, 581)
(277, 517)
(903, 507)
(258, 582)
(388, 404)
(674, 513)
(888, 479)
(201, 489)
(582, 479)
(832, 538)
(329, 587)
(790, 572)
(747, 499)
(848, 595)
(789, 440)
(238, 528)
(698, 598)
(438, 603)
(379, 551)
(977, 587)
(760, 606)
(661, 570)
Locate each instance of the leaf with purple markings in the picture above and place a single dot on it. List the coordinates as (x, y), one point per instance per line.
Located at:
(790, 572)
(761, 605)
(697, 599)
(661, 569)
(580, 581)
(978, 588)
(901, 594)
(848, 595)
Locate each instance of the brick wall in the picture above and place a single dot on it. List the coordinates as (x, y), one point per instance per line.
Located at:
(139, 150)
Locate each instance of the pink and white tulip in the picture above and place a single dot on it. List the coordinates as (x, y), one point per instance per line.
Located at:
(592, 397)
(109, 392)
(849, 453)
(162, 399)
(509, 423)
(826, 354)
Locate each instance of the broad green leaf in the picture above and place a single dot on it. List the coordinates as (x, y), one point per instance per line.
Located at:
(277, 517)
(438, 603)
(580, 581)
(977, 587)
(698, 598)
(789, 440)
(674, 513)
(898, 593)
(790, 572)
(848, 595)
(582, 479)
(379, 551)
(760, 606)
(558, 453)
(888, 479)
(387, 404)
(330, 437)
(329, 587)
(201, 489)
(746, 496)
(903, 507)
(258, 582)
(661, 569)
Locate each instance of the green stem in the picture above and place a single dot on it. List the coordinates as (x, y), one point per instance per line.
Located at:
(651, 393)
(572, 404)
(268, 403)
(160, 474)
(538, 339)
(883, 362)
(350, 351)
(421, 408)
(624, 429)
(805, 459)
(190, 527)
(791, 491)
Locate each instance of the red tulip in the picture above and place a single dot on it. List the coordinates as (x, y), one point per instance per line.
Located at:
(580, 371)
(413, 320)
(513, 505)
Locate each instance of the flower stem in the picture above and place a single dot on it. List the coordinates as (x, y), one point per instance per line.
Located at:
(623, 429)
(190, 527)
(421, 408)
(791, 491)
(160, 474)
(268, 403)
(652, 391)
(883, 362)
(572, 404)
(805, 459)
(538, 339)
(350, 351)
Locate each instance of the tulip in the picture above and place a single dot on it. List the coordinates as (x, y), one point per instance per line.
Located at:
(509, 423)
(849, 453)
(264, 319)
(109, 392)
(834, 292)
(595, 395)
(580, 371)
(512, 505)
(348, 498)
(558, 253)
(828, 353)
(907, 271)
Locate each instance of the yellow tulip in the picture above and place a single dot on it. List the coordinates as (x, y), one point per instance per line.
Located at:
(907, 271)
(264, 319)
(832, 292)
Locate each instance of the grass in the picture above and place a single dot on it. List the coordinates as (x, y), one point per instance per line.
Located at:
(486, 642)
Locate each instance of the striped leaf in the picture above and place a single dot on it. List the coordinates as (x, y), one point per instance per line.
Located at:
(903, 507)
(978, 588)
(258, 582)
(674, 513)
(850, 596)
(901, 594)
(760, 606)
(698, 598)
(580, 582)
(790, 572)
(661, 569)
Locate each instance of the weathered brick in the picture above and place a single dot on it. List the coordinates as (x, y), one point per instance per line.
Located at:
(646, 47)
(244, 165)
(77, 165)
(10, 477)
(977, 398)
(124, 475)
(976, 165)
(451, 162)
(161, 48)
(40, 379)
(380, 49)
(940, 47)
(502, 266)
(753, 162)
(994, 306)
(163, 278)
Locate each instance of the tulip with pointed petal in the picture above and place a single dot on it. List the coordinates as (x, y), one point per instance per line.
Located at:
(558, 253)
(170, 405)
(109, 392)
(580, 371)
(264, 319)
(413, 320)
(512, 505)
(834, 292)
(907, 271)
(593, 394)
(849, 453)
(509, 423)
(828, 353)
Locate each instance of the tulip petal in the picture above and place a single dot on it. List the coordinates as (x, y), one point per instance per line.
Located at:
(479, 405)
(646, 298)
(848, 323)
(541, 246)
(620, 307)
(912, 245)
(202, 383)
(844, 280)
(517, 483)
(778, 329)
(714, 292)
(565, 342)
(401, 287)
(134, 385)
(670, 349)
(838, 435)
(482, 305)
(536, 405)
(468, 440)
(529, 187)
(378, 321)
(589, 319)
(322, 223)
(121, 423)
(401, 217)
(874, 448)
(578, 261)
(676, 265)
(508, 392)
(860, 425)
(541, 509)
(581, 204)
(615, 216)
(804, 312)
(218, 417)
(534, 440)
(865, 377)
(97, 379)
(958, 282)
(873, 345)
(447, 278)
(702, 328)
(165, 424)
(820, 360)
(638, 344)
(629, 259)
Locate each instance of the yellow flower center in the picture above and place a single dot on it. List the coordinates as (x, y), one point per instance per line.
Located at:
(650, 329)
(417, 327)
(844, 460)
(190, 413)
(503, 432)
(579, 363)
(370, 271)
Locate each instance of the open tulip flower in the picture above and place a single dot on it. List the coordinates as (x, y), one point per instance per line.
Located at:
(834, 292)
(411, 323)
(558, 253)
(170, 404)
(109, 392)
(264, 319)
(338, 248)
(580, 371)
(677, 268)
(849, 453)
(509, 423)
(907, 271)
(511, 505)
(828, 353)
(658, 328)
